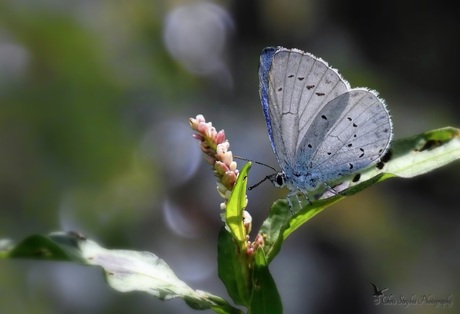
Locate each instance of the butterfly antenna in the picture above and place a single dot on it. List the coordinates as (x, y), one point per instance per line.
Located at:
(257, 184)
(259, 163)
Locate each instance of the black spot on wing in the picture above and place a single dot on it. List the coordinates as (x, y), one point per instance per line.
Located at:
(386, 158)
(356, 178)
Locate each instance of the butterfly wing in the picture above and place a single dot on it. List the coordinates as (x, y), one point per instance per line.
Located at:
(320, 129)
(356, 132)
(294, 88)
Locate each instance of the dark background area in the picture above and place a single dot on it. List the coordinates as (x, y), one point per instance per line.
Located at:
(95, 98)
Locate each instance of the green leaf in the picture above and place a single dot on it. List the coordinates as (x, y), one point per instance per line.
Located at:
(281, 222)
(406, 158)
(265, 297)
(235, 206)
(125, 270)
(53, 247)
(419, 154)
(233, 268)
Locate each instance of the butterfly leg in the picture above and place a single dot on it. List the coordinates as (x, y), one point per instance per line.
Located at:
(288, 198)
(330, 189)
(300, 197)
(295, 204)
(304, 196)
(337, 189)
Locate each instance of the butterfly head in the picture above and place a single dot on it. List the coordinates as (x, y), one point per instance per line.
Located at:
(278, 179)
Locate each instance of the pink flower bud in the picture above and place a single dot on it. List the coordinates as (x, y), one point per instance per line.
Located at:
(228, 158)
(229, 179)
(203, 128)
(233, 166)
(220, 168)
(221, 149)
(259, 240)
(200, 118)
(220, 137)
(247, 221)
(198, 137)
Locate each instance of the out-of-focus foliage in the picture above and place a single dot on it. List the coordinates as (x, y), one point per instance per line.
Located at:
(124, 270)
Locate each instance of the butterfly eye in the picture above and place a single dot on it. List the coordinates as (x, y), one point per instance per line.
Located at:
(279, 180)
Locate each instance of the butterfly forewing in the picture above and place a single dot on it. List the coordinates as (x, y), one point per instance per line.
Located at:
(299, 86)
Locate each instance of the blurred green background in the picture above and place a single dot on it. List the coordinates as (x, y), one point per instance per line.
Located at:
(95, 98)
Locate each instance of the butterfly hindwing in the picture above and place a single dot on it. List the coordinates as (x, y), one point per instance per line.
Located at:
(354, 140)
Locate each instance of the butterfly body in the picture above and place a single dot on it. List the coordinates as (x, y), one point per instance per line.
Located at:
(321, 130)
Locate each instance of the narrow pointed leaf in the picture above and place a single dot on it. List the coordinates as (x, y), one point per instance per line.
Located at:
(233, 268)
(235, 206)
(265, 298)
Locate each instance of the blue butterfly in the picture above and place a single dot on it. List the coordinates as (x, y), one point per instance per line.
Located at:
(321, 130)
